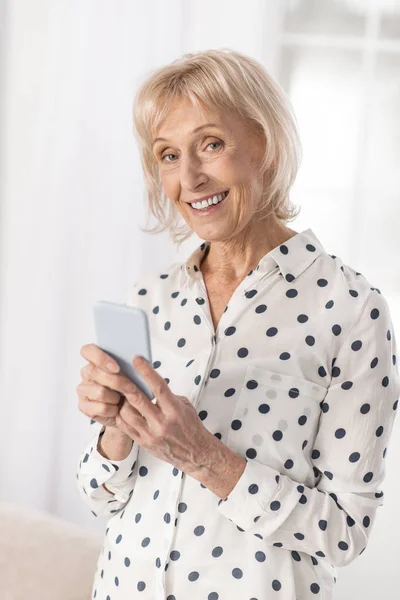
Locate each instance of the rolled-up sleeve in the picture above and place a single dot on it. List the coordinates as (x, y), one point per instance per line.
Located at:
(334, 519)
(119, 476)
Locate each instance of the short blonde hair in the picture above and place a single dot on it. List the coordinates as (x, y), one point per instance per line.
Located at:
(220, 78)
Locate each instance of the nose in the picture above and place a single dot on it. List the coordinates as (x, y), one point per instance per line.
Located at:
(192, 174)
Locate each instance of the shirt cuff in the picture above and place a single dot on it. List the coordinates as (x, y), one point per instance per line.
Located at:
(255, 496)
(116, 474)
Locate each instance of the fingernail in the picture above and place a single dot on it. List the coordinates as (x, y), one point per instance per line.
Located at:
(113, 367)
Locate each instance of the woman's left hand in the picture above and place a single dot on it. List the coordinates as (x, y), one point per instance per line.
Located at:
(171, 429)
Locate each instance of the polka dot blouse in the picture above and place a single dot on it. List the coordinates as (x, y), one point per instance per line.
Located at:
(300, 378)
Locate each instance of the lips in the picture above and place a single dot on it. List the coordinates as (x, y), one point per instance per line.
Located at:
(212, 196)
(211, 208)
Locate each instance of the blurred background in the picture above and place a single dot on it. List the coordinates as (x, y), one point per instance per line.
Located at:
(72, 198)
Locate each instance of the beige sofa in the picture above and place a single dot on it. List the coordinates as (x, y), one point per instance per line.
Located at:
(43, 557)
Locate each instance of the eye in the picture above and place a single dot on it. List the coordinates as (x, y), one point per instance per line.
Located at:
(165, 155)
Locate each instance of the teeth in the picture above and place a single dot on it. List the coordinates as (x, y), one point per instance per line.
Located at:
(206, 203)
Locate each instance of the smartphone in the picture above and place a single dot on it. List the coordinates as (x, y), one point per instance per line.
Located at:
(122, 332)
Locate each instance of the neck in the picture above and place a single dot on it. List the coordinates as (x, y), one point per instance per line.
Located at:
(231, 260)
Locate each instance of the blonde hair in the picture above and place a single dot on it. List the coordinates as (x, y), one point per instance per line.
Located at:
(225, 79)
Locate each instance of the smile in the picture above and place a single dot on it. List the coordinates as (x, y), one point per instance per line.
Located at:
(206, 207)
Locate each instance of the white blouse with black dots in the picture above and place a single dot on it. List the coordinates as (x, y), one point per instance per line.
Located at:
(300, 378)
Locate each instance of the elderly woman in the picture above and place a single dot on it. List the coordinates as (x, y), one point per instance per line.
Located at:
(259, 468)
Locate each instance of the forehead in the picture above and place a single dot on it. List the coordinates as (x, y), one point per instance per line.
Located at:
(182, 114)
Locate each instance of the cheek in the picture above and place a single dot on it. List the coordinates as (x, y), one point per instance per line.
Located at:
(170, 185)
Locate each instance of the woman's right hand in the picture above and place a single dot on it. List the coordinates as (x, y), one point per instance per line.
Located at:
(101, 392)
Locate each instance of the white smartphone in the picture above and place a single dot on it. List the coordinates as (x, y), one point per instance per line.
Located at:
(122, 332)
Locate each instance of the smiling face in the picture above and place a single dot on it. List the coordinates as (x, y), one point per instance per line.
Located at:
(212, 160)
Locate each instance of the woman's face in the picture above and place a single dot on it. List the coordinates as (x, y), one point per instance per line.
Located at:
(194, 165)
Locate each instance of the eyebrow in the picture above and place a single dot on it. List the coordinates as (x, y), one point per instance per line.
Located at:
(194, 131)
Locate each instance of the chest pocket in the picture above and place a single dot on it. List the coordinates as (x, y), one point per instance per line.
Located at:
(276, 420)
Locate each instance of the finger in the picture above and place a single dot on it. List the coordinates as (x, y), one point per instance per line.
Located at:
(129, 428)
(143, 405)
(93, 409)
(98, 357)
(158, 386)
(119, 383)
(131, 416)
(98, 393)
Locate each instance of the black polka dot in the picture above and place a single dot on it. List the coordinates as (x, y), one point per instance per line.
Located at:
(215, 373)
(230, 330)
(242, 352)
(302, 318)
(346, 385)
(252, 384)
(356, 345)
(354, 457)
(340, 433)
(229, 392)
(276, 585)
(261, 308)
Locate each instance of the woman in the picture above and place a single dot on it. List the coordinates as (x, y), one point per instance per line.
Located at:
(258, 470)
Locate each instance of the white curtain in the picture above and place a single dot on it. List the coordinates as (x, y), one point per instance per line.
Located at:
(72, 199)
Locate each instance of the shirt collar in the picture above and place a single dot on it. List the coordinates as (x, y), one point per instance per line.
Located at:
(291, 258)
